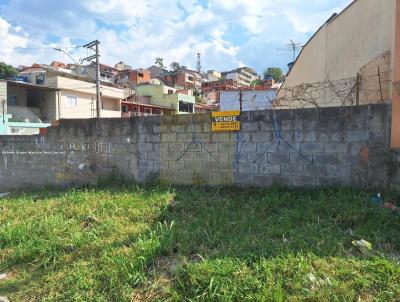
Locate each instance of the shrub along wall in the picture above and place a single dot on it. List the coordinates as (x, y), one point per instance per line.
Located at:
(304, 147)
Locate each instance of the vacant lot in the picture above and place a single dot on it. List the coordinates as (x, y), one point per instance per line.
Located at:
(129, 243)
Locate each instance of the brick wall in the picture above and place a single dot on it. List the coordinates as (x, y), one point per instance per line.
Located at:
(299, 148)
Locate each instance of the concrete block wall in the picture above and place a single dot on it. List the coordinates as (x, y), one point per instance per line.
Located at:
(298, 148)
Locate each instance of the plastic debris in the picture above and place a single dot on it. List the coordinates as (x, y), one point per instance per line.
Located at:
(392, 207)
(377, 199)
(318, 282)
(4, 194)
(312, 278)
(362, 244)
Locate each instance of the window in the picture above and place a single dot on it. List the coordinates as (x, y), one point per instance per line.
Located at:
(72, 101)
(140, 75)
(11, 100)
(185, 107)
(170, 91)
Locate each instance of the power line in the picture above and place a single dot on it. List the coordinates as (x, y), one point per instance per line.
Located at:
(47, 47)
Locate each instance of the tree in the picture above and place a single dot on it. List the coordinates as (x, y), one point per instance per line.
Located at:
(7, 71)
(197, 95)
(275, 72)
(175, 66)
(159, 62)
(256, 82)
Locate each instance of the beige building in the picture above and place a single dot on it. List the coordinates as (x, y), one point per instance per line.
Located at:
(348, 61)
(77, 94)
(168, 97)
(213, 75)
(243, 76)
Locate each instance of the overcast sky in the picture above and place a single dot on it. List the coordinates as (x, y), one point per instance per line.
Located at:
(227, 33)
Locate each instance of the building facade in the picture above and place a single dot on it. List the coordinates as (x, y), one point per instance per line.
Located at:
(156, 72)
(346, 62)
(24, 107)
(77, 94)
(167, 97)
(243, 76)
(182, 79)
(211, 90)
(132, 78)
(213, 75)
(140, 106)
(219, 85)
(122, 66)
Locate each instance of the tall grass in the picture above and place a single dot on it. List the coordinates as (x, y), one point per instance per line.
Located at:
(155, 243)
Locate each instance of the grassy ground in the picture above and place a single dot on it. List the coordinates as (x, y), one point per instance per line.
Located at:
(192, 244)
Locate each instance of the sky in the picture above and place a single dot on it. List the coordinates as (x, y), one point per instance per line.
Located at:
(227, 33)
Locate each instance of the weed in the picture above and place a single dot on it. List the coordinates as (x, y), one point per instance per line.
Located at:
(124, 242)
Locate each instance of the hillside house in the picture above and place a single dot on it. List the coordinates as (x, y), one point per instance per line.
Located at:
(243, 76)
(168, 97)
(77, 93)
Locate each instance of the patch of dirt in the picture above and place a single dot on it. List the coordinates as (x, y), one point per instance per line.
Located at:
(89, 221)
(165, 265)
(161, 272)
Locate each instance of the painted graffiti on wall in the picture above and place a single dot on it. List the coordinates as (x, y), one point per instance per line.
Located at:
(14, 151)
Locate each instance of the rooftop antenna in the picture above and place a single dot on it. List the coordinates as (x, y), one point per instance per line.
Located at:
(292, 46)
(199, 62)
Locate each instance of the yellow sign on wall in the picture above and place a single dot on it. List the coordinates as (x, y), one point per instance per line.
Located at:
(226, 121)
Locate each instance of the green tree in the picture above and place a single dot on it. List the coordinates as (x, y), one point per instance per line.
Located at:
(197, 95)
(275, 72)
(159, 62)
(175, 66)
(7, 71)
(256, 82)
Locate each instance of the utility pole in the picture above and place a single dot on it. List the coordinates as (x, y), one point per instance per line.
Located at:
(96, 56)
(3, 103)
(240, 100)
(198, 62)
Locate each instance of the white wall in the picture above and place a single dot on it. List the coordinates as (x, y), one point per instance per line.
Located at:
(3, 96)
(251, 100)
(86, 106)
